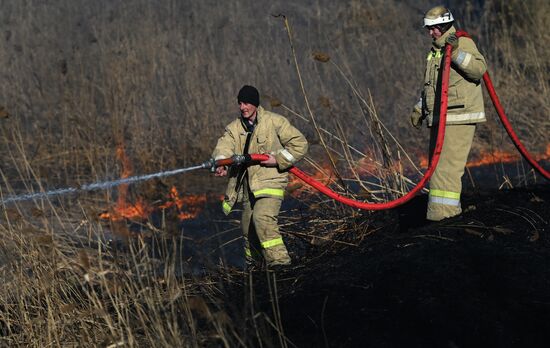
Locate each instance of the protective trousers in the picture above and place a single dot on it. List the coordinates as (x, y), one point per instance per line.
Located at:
(260, 229)
(446, 181)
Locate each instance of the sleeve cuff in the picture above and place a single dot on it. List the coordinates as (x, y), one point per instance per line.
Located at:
(284, 159)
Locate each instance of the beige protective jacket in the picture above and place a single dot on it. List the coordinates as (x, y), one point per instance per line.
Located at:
(465, 103)
(274, 135)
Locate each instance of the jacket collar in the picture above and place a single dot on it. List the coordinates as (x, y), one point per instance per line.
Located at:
(260, 111)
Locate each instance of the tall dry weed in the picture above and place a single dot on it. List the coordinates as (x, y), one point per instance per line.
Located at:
(160, 78)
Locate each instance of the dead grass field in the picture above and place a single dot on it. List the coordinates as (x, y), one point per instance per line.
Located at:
(158, 79)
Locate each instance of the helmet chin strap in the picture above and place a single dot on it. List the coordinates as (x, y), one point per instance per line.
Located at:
(445, 27)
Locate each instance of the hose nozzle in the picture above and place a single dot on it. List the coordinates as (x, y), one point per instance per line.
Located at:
(212, 164)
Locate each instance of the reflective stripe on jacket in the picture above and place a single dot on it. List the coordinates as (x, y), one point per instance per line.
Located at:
(465, 99)
(272, 134)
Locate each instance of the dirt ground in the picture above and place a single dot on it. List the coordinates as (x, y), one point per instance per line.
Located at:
(483, 280)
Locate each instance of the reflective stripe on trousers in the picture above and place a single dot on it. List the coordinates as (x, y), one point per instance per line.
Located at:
(272, 242)
(260, 229)
(446, 181)
(444, 197)
(226, 207)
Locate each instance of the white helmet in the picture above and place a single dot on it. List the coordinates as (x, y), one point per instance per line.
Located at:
(438, 15)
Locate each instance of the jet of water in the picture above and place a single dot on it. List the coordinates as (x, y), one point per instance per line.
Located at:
(99, 185)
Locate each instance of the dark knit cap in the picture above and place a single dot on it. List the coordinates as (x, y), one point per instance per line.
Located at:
(250, 95)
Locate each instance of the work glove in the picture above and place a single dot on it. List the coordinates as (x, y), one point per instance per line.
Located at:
(416, 118)
(453, 41)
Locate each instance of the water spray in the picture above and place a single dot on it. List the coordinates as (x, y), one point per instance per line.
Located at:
(210, 164)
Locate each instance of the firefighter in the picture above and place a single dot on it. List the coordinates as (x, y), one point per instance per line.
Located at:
(260, 187)
(465, 109)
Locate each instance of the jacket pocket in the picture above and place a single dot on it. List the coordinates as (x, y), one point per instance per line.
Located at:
(262, 143)
(456, 101)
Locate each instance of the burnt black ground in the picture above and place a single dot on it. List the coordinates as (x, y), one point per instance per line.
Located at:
(483, 280)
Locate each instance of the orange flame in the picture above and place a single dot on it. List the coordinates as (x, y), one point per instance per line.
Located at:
(138, 210)
(370, 167)
(497, 156)
(424, 161)
(187, 207)
(296, 187)
(123, 209)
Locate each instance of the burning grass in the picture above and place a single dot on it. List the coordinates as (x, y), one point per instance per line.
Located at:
(112, 268)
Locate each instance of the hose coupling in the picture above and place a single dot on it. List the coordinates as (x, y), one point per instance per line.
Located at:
(240, 159)
(212, 164)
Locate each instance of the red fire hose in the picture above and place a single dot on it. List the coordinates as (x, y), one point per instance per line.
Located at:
(392, 204)
(435, 156)
(506, 122)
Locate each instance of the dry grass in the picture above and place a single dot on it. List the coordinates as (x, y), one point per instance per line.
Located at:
(159, 78)
(82, 290)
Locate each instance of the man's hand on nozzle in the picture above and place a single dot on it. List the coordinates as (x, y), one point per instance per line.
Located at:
(221, 171)
(270, 162)
(416, 118)
(453, 41)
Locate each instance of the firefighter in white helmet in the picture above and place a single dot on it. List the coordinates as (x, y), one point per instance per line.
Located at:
(465, 109)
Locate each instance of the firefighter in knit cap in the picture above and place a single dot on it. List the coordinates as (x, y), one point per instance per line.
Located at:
(261, 187)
